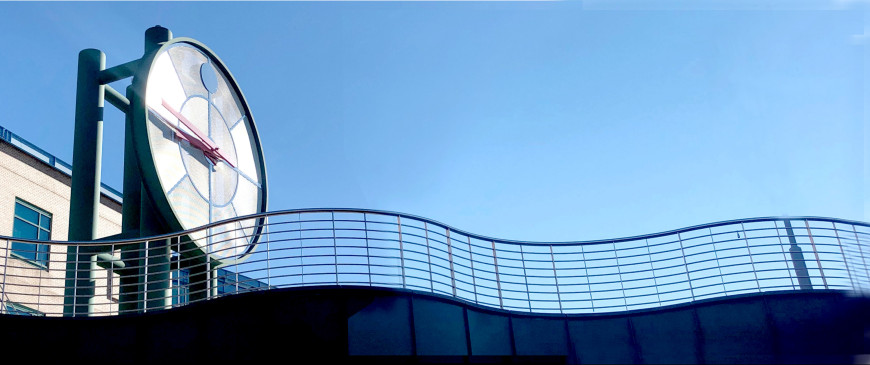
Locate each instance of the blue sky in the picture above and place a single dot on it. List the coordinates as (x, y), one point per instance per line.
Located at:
(531, 121)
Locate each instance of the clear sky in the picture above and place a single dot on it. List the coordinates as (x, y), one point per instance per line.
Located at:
(530, 120)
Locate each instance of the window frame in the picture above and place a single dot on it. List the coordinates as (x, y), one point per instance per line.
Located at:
(37, 249)
(16, 309)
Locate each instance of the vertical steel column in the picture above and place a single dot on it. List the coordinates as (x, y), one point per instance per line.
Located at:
(158, 292)
(130, 282)
(157, 271)
(85, 186)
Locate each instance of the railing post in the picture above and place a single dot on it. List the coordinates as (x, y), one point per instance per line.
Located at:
(525, 277)
(861, 251)
(401, 250)
(843, 253)
(450, 257)
(334, 246)
(718, 264)
(653, 272)
(268, 252)
(556, 278)
(429, 257)
(3, 298)
(749, 253)
(368, 254)
(619, 273)
(816, 252)
(471, 262)
(497, 278)
(686, 265)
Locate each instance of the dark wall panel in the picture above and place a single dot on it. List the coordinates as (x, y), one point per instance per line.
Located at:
(490, 333)
(602, 341)
(666, 337)
(540, 336)
(315, 324)
(735, 332)
(381, 328)
(791, 316)
(439, 328)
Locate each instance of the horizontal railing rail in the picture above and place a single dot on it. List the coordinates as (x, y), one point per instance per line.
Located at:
(316, 247)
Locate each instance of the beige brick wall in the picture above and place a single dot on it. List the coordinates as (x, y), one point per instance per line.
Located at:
(29, 179)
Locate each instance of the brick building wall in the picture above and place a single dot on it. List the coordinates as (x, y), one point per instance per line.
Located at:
(26, 178)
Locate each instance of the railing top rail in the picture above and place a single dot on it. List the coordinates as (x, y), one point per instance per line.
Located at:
(123, 241)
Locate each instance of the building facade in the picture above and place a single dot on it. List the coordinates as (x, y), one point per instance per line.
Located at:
(34, 204)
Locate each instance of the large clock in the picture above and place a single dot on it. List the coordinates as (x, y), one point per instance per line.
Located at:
(199, 151)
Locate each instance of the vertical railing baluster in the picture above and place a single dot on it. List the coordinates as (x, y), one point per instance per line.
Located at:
(368, 253)
(718, 264)
(588, 283)
(556, 278)
(429, 257)
(686, 264)
(749, 253)
(450, 259)
(497, 278)
(401, 251)
(842, 252)
(861, 252)
(816, 252)
(525, 277)
(653, 272)
(784, 258)
(3, 295)
(334, 246)
(147, 271)
(471, 262)
(619, 274)
(268, 253)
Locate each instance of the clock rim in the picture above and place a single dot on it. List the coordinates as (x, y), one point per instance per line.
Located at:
(147, 167)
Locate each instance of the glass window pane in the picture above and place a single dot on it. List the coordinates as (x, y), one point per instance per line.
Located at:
(22, 229)
(26, 213)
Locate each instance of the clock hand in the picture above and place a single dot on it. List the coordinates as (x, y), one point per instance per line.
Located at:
(209, 145)
(204, 138)
(242, 174)
(193, 140)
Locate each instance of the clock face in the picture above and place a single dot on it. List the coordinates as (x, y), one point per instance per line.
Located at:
(203, 162)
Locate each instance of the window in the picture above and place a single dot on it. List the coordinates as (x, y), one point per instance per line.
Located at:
(16, 309)
(31, 223)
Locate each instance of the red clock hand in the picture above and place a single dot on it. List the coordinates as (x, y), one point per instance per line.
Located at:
(205, 144)
(193, 140)
(202, 136)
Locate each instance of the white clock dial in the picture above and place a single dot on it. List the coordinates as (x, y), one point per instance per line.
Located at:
(204, 147)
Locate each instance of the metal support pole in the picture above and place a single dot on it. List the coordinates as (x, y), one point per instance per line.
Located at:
(85, 186)
(158, 293)
(130, 283)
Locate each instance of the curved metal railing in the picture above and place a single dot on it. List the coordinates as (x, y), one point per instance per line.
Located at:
(385, 249)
